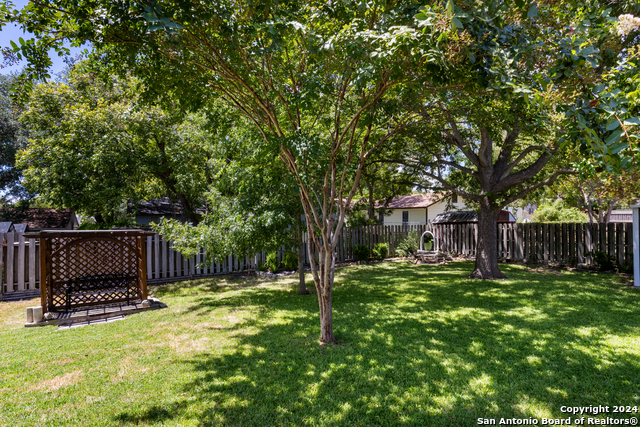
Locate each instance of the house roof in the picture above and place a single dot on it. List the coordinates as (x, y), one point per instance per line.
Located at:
(37, 217)
(409, 201)
(164, 206)
(621, 215)
(468, 216)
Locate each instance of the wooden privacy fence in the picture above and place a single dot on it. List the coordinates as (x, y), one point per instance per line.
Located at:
(567, 243)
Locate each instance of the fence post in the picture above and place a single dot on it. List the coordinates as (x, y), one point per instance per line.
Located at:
(21, 262)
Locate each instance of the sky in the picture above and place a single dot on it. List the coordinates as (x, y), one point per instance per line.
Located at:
(13, 33)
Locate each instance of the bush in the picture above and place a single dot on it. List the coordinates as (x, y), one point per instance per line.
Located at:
(409, 245)
(602, 260)
(558, 212)
(361, 252)
(272, 262)
(290, 261)
(381, 251)
(626, 268)
(263, 267)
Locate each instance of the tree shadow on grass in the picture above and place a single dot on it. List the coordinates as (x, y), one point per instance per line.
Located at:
(419, 345)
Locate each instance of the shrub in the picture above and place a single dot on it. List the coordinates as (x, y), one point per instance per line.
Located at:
(290, 261)
(272, 262)
(361, 252)
(558, 212)
(263, 267)
(603, 261)
(626, 268)
(409, 245)
(381, 251)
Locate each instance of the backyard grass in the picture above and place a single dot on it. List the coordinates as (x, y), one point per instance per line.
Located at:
(419, 345)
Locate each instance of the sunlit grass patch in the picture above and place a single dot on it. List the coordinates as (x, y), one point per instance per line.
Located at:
(418, 345)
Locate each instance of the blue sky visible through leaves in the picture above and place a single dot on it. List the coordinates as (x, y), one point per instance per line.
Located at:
(11, 32)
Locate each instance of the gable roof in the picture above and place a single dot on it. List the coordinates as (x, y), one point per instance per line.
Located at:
(6, 227)
(423, 200)
(38, 217)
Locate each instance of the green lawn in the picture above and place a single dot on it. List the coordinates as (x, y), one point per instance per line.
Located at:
(419, 345)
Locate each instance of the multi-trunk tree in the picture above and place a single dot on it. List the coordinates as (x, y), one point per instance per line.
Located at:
(319, 81)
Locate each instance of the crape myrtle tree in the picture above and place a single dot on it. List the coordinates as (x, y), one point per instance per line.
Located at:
(319, 81)
(524, 86)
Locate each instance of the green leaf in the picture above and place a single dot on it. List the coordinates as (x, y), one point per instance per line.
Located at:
(615, 149)
(533, 11)
(450, 9)
(614, 137)
(613, 124)
(599, 88)
(632, 121)
(14, 45)
(456, 23)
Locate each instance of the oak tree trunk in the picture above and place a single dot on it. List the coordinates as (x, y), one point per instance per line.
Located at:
(487, 251)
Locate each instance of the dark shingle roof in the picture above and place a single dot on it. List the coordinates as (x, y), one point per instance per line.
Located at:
(164, 206)
(37, 217)
(468, 216)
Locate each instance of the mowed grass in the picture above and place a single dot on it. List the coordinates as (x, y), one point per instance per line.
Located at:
(418, 345)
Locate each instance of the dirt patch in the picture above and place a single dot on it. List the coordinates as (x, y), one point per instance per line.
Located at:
(185, 344)
(128, 369)
(60, 381)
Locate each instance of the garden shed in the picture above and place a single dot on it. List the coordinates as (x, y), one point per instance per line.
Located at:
(86, 268)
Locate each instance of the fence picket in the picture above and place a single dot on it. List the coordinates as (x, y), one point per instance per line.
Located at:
(32, 264)
(9, 265)
(21, 262)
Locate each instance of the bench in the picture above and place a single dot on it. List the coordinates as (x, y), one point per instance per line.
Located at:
(97, 284)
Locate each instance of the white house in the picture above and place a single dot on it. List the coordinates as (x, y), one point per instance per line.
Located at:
(415, 209)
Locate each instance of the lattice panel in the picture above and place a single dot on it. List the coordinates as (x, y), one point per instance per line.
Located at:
(72, 257)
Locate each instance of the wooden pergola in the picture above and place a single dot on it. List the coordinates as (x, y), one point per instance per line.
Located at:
(85, 268)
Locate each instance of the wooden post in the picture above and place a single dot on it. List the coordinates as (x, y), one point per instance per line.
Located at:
(44, 280)
(148, 260)
(32, 264)
(142, 266)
